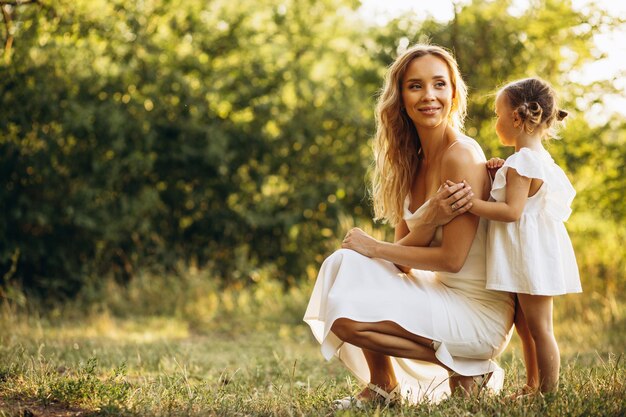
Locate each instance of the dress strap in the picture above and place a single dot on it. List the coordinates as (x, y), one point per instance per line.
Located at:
(452, 144)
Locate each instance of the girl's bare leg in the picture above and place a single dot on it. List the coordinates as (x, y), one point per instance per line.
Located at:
(528, 348)
(537, 310)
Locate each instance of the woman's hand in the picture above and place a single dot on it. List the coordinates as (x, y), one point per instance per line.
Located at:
(451, 200)
(493, 165)
(357, 240)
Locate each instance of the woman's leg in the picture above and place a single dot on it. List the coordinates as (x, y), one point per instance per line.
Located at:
(528, 348)
(385, 337)
(380, 340)
(381, 372)
(537, 310)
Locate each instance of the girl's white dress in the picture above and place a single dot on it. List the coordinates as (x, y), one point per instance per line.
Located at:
(469, 324)
(533, 255)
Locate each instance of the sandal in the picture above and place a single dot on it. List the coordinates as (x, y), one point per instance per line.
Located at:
(384, 398)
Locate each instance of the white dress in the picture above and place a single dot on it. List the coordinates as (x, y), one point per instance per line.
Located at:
(534, 255)
(469, 324)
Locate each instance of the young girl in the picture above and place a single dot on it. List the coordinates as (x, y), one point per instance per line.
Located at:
(528, 249)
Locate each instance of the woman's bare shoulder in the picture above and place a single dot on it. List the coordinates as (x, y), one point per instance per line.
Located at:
(465, 160)
(464, 149)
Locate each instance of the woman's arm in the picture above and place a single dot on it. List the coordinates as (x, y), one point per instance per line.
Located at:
(451, 200)
(459, 162)
(517, 189)
(402, 231)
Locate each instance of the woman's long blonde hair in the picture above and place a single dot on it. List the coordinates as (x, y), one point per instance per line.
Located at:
(397, 147)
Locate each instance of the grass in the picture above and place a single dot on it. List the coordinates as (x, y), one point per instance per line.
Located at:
(259, 360)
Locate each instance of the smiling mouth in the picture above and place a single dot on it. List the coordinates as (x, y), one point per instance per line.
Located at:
(429, 110)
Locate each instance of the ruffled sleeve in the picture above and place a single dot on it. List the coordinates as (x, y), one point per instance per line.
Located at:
(558, 190)
(560, 195)
(527, 163)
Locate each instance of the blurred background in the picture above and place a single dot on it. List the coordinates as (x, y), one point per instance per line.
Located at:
(202, 157)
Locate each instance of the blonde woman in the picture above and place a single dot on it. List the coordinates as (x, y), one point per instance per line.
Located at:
(399, 327)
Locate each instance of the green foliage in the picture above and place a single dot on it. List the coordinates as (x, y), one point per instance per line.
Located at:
(140, 135)
(234, 136)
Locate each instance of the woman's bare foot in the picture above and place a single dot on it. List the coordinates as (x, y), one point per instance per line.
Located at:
(468, 385)
(460, 384)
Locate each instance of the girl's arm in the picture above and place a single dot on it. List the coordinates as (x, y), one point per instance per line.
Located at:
(458, 163)
(517, 190)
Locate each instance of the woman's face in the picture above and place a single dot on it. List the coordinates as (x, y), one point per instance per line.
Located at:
(427, 91)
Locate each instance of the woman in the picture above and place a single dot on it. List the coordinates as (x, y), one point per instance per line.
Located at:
(408, 331)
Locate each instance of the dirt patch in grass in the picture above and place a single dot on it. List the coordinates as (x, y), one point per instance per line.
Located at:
(34, 408)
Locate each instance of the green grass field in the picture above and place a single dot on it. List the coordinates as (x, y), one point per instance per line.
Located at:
(259, 360)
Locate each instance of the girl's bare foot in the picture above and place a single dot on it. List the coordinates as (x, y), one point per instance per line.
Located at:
(524, 392)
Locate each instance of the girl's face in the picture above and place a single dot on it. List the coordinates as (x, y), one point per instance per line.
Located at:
(507, 126)
(427, 91)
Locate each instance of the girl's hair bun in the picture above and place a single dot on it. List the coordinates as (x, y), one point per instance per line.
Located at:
(530, 113)
(534, 100)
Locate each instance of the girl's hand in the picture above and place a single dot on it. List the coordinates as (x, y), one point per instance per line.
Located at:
(450, 201)
(357, 240)
(493, 165)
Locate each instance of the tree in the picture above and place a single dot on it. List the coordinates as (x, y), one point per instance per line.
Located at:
(146, 134)
(235, 135)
